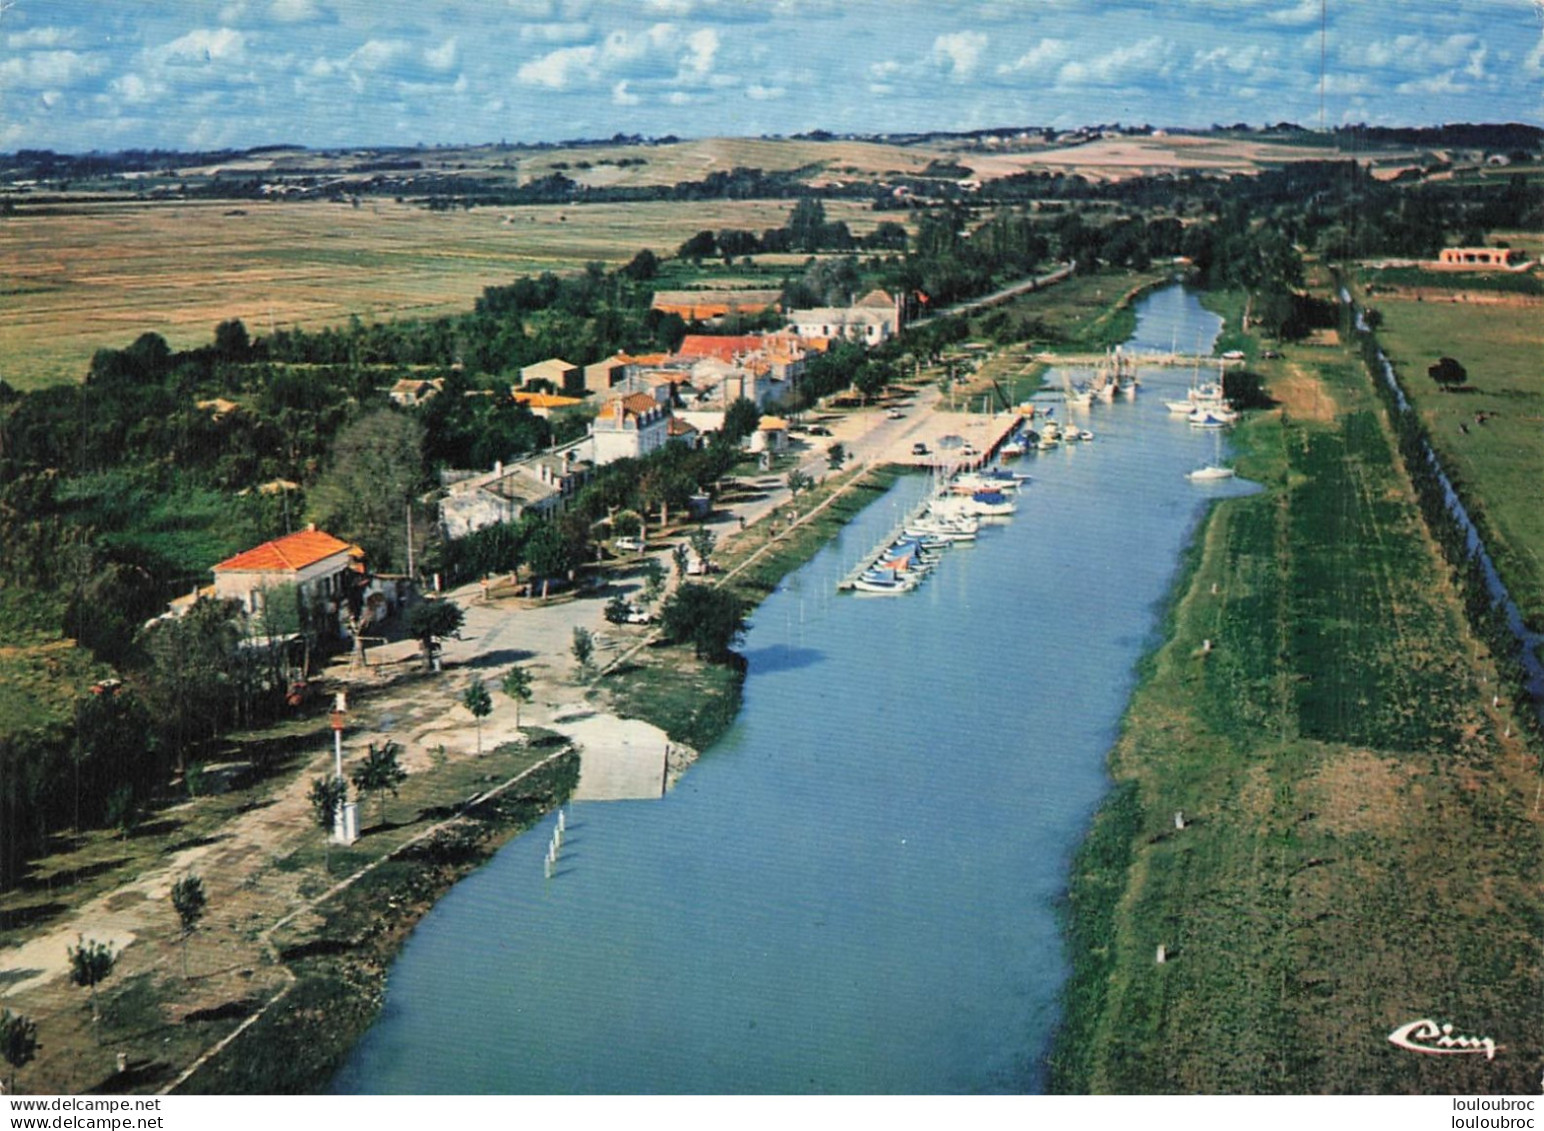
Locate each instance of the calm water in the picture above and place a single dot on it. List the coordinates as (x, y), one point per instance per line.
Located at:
(855, 890)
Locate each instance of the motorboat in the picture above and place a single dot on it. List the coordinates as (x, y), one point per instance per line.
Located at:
(1209, 472)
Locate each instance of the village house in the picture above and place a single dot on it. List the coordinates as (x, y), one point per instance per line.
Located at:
(605, 375)
(629, 427)
(542, 404)
(324, 568)
(562, 375)
(1480, 259)
(872, 319)
(539, 485)
(411, 391)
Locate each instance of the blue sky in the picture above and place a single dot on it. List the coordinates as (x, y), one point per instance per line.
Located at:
(78, 75)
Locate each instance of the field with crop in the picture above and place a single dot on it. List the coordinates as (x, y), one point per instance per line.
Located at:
(1490, 434)
(1359, 845)
(94, 275)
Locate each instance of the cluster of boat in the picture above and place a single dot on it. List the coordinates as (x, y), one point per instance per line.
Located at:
(1046, 434)
(1205, 406)
(953, 513)
(1116, 377)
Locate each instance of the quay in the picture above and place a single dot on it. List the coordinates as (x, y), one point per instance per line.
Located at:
(1192, 360)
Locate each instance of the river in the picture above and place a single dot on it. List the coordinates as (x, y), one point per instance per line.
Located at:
(856, 890)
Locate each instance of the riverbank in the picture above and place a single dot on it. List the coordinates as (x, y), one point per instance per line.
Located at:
(1318, 814)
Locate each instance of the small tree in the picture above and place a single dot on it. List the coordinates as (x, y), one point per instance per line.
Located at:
(678, 558)
(653, 579)
(18, 1041)
(703, 543)
(480, 703)
(189, 900)
(836, 455)
(1448, 373)
(617, 609)
(90, 963)
(379, 773)
(798, 481)
(583, 649)
(327, 797)
(517, 685)
(430, 622)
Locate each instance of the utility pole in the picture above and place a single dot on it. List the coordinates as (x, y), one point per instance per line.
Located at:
(410, 538)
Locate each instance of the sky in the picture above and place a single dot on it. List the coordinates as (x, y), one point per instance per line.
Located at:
(82, 75)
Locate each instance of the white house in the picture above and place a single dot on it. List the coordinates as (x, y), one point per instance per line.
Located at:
(629, 427)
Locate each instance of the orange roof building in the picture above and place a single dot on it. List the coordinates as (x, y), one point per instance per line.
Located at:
(703, 306)
(542, 404)
(310, 558)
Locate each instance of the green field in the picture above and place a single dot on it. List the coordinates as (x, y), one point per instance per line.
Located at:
(1500, 463)
(1360, 848)
(94, 275)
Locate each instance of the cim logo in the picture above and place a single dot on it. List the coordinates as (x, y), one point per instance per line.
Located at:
(1427, 1036)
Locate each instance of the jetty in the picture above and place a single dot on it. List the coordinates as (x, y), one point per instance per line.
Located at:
(1188, 360)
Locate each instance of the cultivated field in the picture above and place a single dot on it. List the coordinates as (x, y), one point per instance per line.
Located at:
(1499, 339)
(100, 274)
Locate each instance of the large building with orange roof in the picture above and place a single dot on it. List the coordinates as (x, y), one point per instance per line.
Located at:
(706, 306)
(310, 558)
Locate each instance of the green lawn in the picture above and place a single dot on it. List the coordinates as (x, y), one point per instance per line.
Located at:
(1500, 463)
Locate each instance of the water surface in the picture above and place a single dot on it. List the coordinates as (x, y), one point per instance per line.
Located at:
(855, 890)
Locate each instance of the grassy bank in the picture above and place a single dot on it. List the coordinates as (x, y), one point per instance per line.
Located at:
(341, 952)
(1359, 848)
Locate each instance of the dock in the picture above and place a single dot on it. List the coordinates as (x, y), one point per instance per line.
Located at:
(867, 561)
(1188, 360)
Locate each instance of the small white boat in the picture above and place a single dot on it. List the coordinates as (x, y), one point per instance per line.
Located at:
(1211, 418)
(1209, 472)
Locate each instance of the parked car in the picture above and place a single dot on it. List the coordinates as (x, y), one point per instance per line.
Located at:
(637, 616)
(819, 430)
(893, 414)
(919, 449)
(1272, 354)
(629, 545)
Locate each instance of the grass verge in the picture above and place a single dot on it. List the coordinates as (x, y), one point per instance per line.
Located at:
(1359, 847)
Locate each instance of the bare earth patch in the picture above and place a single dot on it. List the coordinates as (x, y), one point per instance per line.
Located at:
(1303, 395)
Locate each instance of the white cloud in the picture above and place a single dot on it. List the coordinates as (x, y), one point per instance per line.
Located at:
(295, 11)
(701, 47)
(764, 93)
(132, 89)
(621, 96)
(378, 54)
(557, 70)
(40, 37)
(1239, 60)
(1432, 84)
(570, 32)
(669, 7)
(1124, 66)
(1044, 54)
(959, 52)
(1416, 51)
(49, 69)
(443, 57)
(203, 45)
(1476, 67)
(1533, 64)
(1306, 12)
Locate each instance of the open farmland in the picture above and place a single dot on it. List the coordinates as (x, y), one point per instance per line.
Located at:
(89, 275)
(1499, 463)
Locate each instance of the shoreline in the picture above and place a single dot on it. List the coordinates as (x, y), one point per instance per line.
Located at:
(1304, 772)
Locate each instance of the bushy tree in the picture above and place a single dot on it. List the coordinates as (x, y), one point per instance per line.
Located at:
(1448, 373)
(375, 472)
(189, 900)
(583, 649)
(711, 620)
(430, 622)
(90, 964)
(327, 797)
(18, 1041)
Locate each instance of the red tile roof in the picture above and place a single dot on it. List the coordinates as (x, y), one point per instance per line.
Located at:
(722, 347)
(292, 552)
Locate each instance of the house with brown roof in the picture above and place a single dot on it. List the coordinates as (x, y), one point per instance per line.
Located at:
(542, 404)
(563, 375)
(628, 427)
(411, 391)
